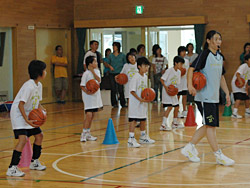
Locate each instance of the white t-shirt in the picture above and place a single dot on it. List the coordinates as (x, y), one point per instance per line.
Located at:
(129, 70)
(31, 94)
(191, 58)
(183, 84)
(170, 77)
(137, 109)
(94, 100)
(244, 71)
(89, 53)
(160, 63)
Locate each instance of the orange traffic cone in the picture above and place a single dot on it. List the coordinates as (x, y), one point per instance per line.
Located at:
(26, 155)
(190, 120)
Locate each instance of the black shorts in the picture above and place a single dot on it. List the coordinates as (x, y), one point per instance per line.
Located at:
(167, 105)
(209, 113)
(137, 119)
(184, 92)
(92, 110)
(240, 96)
(27, 132)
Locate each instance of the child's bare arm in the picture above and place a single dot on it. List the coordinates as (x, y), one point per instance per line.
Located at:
(138, 98)
(164, 85)
(191, 88)
(21, 108)
(239, 79)
(41, 107)
(85, 90)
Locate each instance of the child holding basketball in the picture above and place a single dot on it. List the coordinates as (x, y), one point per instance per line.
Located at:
(92, 102)
(172, 76)
(130, 68)
(138, 107)
(182, 87)
(27, 99)
(241, 93)
(210, 63)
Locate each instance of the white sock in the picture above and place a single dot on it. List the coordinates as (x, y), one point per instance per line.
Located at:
(164, 120)
(88, 130)
(84, 130)
(247, 110)
(175, 120)
(131, 134)
(143, 133)
(235, 110)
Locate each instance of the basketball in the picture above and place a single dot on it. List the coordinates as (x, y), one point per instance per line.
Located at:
(237, 83)
(92, 86)
(199, 80)
(148, 94)
(122, 79)
(183, 71)
(172, 90)
(39, 115)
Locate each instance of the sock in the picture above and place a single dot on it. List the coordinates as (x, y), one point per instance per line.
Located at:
(16, 157)
(36, 152)
(84, 130)
(218, 152)
(143, 133)
(235, 110)
(131, 134)
(175, 120)
(88, 130)
(164, 120)
(247, 110)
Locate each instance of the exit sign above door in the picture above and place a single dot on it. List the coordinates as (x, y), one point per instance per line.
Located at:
(139, 9)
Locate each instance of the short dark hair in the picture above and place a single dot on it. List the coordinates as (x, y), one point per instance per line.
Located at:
(118, 45)
(142, 61)
(139, 47)
(92, 42)
(89, 60)
(245, 45)
(181, 49)
(128, 54)
(178, 59)
(58, 46)
(132, 50)
(106, 51)
(189, 44)
(36, 69)
(247, 57)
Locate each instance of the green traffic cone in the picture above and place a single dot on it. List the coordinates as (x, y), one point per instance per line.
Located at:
(227, 111)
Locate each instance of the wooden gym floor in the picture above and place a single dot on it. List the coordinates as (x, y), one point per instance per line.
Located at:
(71, 163)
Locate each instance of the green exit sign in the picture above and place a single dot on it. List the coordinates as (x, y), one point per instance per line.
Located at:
(139, 9)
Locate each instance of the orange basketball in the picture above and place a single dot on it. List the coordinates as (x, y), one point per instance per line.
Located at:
(237, 83)
(92, 86)
(199, 80)
(183, 71)
(172, 90)
(38, 115)
(122, 79)
(148, 94)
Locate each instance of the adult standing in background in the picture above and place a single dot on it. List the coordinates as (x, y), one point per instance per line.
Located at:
(140, 51)
(60, 65)
(246, 52)
(191, 56)
(151, 69)
(116, 61)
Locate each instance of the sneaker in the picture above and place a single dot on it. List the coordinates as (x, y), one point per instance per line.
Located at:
(90, 137)
(165, 128)
(146, 140)
(222, 159)
(247, 114)
(184, 113)
(190, 152)
(236, 116)
(180, 115)
(132, 143)
(14, 171)
(83, 137)
(177, 125)
(36, 165)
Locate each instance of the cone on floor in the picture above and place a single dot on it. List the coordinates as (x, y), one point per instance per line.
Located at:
(227, 111)
(26, 155)
(110, 136)
(190, 120)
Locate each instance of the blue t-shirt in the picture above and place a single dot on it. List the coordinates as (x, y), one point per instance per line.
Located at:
(106, 69)
(117, 62)
(211, 65)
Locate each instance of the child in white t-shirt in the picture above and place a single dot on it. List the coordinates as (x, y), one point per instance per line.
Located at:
(241, 93)
(138, 107)
(27, 99)
(129, 69)
(172, 76)
(92, 102)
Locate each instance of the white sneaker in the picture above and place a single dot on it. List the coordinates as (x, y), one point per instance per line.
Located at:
(190, 152)
(14, 171)
(180, 115)
(247, 114)
(184, 113)
(178, 125)
(165, 128)
(222, 159)
(132, 143)
(146, 140)
(90, 137)
(36, 165)
(237, 116)
(83, 137)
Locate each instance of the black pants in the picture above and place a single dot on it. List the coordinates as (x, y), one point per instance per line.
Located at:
(115, 87)
(157, 85)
